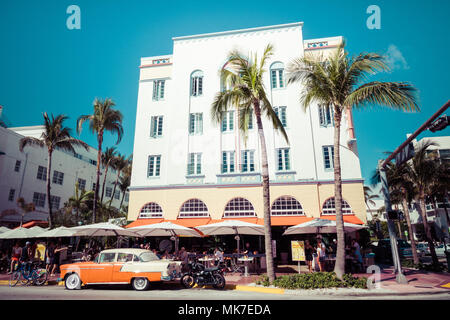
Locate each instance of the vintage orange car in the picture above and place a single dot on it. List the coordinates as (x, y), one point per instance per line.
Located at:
(137, 267)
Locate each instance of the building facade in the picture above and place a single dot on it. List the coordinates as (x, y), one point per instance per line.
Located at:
(190, 169)
(23, 174)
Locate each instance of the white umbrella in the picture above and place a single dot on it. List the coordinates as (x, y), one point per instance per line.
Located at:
(102, 229)
(57, 233)
(4, 229)
(232, 227)
(320, 226)
(20, 233)
(37, 228)
(165, 229)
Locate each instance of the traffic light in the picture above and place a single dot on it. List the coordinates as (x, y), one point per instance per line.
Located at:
(439, 124)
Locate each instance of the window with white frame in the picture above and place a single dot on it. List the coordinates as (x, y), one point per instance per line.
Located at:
(239, 207)
(108, 192)
(54, 202)
(156, 126)
(329, 207)
(196, 123)
(150, 211)
(158, 89)
(250, 114)
(39, 199)
(17, 166)
(42, 173)
(117, 195)
(228, 121)
(58, 177)
(277, 75)
(286, 206)
(194, 164)
(227, 161)
(248, 161)
(197, 83)
(81, 184)
(283, 160)
(154, 166)
(328, 156)
(11, 194)
(325, 115)
(193, 208)
(281, 114)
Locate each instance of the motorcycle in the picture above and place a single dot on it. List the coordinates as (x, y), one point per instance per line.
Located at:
(202, 276)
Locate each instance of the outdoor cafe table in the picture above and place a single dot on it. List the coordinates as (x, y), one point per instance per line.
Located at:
(246, 260)
(206, 260)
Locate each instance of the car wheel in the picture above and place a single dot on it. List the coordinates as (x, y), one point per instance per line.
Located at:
(73, 282)
(140, 284)
(187, 281)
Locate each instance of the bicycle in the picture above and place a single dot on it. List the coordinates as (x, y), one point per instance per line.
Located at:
(28, 273)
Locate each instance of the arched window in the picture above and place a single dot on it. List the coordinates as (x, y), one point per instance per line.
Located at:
(277, 75)
(197, 83)
(151, 210)
(286, 206)
(329, 207)
(239, 207)
(193, 208)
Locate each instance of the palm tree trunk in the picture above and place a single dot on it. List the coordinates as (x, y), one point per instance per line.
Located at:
(410, 231)
(121, 201)
(99, 159)
(49, 170)
(427, 229)
(104, 182)
(266, 195)
(114, 190)
(339, 268)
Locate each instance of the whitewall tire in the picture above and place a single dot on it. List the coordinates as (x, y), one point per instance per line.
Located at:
(73, 282)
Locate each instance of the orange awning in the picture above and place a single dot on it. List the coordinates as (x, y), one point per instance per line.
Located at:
(288, 221)
(347, 218)
(40, 223)
(143, 222)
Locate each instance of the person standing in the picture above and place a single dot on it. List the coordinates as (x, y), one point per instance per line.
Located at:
(321, 252)
(309, 255)
(16, 254)
(49, 256)
(59, 247)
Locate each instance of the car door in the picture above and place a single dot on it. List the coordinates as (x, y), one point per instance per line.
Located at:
(101, 272)
(118, 276)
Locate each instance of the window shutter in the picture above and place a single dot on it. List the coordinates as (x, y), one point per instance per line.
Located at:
(155, 89)
(200, 86)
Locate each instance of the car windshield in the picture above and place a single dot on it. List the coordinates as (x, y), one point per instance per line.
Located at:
(148, 256)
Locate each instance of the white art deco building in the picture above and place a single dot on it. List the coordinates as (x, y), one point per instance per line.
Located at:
(190, 169)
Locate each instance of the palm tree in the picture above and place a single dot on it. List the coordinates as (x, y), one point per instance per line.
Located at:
(79, 201)
(107, 158)
(440, 187)
(119, 163)
(246, 93)
(24, 208)
(104, 118)
(55, 136)
(369, 197)
(422, 172)
(337, 81)
(124, 183)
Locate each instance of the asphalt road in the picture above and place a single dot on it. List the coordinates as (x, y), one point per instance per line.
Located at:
(126, 293)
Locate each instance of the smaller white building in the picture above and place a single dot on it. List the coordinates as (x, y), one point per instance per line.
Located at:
(23, 174)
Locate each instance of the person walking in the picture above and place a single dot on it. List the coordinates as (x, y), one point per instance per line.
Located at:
(16, 254)
(56, 259)
(49, 256)
(309, 255)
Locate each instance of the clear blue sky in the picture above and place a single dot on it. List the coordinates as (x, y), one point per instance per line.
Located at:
(46, 67)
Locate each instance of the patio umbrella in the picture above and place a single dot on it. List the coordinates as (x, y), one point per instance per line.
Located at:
(4, 229)
(232, 227)
(320, 226)
(57, 233)
(165, 229)
(20, 233)
(102, 229)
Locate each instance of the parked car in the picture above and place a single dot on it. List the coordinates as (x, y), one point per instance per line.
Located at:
(137, 267)
(440, 252)
(423, 249)
(383, 250)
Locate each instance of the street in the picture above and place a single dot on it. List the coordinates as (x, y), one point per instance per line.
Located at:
(126, 293)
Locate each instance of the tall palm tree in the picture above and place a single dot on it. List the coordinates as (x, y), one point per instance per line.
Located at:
(247, 94)
(124, 183)
(79, 201)
(369, 197)
(107, 158)
(119, 163)
(104, 118)
(441, 186)
(337, 81)
(422, 172)
(55, 135)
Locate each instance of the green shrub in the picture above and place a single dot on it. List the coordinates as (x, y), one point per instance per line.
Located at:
(317, 280)
(425, 267)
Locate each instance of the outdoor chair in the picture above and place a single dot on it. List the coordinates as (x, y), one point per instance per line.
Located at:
(236, 267)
